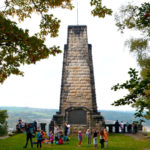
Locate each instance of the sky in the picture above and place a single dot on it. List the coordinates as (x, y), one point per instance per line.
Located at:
(40, 86)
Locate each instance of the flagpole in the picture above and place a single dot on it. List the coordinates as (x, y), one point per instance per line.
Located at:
(77, 13)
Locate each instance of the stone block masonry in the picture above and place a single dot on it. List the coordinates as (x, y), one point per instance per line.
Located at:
(78, 88)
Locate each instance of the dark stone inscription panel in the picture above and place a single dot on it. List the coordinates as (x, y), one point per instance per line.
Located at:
(77, 117)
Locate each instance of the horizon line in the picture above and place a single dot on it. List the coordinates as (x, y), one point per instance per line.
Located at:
(58, 108)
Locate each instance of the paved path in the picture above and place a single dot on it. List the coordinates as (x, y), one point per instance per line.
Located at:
(3, 137)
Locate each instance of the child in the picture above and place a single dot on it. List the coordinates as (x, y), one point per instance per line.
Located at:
(39, 138)
(95, 139)
(79, 138)
(106, 137)
(88, 135)
(60, 140)
(51, 138)
(102, 139)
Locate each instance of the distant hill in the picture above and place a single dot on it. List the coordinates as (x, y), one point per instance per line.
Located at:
(28, 115)
(45, 115)
(111, 116)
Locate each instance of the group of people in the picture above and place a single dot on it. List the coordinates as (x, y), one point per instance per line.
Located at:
(21, 126)
(125, 127)
(41, 137)
(103, 136)
(58, 137)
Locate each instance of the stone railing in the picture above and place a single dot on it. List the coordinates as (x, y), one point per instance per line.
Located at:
(127, 128)
(111, 128)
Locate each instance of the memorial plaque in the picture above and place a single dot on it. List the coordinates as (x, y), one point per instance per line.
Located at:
(77, 117)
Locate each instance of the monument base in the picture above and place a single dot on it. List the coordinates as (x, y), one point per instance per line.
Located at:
(79, 118)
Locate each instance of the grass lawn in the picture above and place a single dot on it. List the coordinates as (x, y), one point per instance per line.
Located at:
(116, 142)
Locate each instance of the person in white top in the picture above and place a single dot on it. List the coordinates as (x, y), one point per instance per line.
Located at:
(56, 131)
(122, 126)
(68, 132)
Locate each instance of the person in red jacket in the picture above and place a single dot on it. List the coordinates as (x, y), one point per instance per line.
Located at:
(60, 141)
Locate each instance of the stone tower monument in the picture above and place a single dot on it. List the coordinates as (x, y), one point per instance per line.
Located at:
(78, 99)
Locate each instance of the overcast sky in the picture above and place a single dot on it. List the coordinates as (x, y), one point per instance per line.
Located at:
(40, 86)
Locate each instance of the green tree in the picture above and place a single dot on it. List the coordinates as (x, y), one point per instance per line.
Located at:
(136, 18)
(3, 122)
(17, 47)
(139, 94)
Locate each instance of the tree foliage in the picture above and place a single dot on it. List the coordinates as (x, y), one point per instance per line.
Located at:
(139, 94)
(3, 122)
(136, 18)
(17, 47)
(99, 10)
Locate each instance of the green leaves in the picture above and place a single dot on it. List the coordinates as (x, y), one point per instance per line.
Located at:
(3, 122)
(143, 14)
(99, 10)
(137, 45)
(49, 25)
(17, 47)
(137, 18)
(134, 17)
(139, 94)
(3, 116)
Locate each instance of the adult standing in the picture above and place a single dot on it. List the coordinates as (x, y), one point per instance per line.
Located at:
(117, 126)
(102, 139)
(68, 133)
(88, 135)
(127, 127)
(23, 126)
(134, 128)
(66, 129)
(95, 139)
(35, 126)
(56, 130)
(38, 124)
(122, 126)
(29, 134)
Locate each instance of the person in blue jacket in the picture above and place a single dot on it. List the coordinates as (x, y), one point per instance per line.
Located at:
(39, 138)
(79, 138)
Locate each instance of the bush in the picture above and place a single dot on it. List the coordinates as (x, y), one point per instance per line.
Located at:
(3, 122)
(3, 129)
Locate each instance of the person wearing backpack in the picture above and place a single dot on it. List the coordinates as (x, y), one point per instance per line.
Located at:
(28, 129)
(39, 138)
